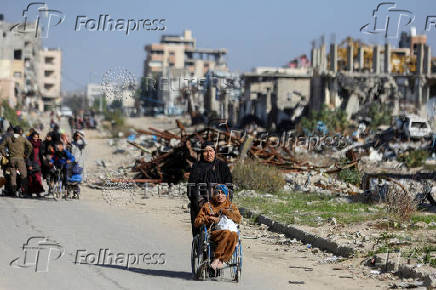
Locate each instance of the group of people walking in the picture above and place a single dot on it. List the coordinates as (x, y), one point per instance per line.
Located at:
(34, 159)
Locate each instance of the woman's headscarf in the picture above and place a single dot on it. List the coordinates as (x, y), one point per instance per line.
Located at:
(37, 143)
(222, 187)
(208, 143)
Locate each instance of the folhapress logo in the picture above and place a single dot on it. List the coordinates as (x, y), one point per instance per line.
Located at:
(38, 252)
(107, 23)
(38, 19)
(387, 20)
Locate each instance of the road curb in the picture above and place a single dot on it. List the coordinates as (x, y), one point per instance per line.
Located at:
(294, 233)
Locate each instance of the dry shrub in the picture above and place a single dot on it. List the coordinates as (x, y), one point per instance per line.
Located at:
(400, 203)
(249, 174)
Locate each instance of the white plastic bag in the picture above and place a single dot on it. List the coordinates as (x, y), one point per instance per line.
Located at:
(226, 224)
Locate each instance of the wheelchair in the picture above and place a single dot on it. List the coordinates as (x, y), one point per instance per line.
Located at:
(73, 179)
(202, 256)
(64, 181)
(55, 183)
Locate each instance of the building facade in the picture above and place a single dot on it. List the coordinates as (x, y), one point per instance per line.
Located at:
(19, 61)
(94, 92)
(174, 62)
(49, 78)
(275, 95)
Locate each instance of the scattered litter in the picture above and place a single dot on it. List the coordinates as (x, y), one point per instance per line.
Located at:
(307, 269)
(296, 282)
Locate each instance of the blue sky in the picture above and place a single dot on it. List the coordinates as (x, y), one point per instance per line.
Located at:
(255, 33)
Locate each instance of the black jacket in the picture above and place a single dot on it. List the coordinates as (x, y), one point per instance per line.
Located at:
(209, 174)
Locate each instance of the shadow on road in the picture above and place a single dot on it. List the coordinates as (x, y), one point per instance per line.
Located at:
(154, 272)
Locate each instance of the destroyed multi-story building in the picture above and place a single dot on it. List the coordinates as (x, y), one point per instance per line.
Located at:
(174, 63)
(354, 74)
(275, 95)
(351, 75)
(221, 94)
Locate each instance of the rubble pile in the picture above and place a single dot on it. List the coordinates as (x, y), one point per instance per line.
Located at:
(319, 182)
(388, 148)
(166, 156)
(172, 155)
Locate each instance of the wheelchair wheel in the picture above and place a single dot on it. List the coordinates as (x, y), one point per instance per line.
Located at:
(197, 258)
(236, 263)
(58, 190)
(76, 192)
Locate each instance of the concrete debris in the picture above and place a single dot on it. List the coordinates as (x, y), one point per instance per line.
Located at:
(422, 225)
(101, 163)
(374, 156)
(332, 221)
(321, 183)
(419, 186)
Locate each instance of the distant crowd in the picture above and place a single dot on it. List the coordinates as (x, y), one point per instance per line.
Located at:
(35, 160)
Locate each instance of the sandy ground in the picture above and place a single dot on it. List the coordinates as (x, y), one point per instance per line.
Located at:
(159, 122)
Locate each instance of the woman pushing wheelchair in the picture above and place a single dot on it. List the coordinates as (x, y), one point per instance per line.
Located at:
(223, 214)
(206, 173)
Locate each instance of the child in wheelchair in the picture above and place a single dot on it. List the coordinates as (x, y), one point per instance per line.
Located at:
(221, 215)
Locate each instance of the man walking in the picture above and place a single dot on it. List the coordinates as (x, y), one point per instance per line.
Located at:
(19, 149)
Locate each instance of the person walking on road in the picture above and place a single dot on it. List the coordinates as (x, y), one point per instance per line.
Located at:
(34, 165)
(205, 174)
(19, 149)
(78, 149)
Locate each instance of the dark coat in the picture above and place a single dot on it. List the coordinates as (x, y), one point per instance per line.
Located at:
(209, 173)
(44, 146)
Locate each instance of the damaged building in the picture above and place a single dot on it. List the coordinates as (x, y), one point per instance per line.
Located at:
(354, 74)
(275, 96)
(349, 76)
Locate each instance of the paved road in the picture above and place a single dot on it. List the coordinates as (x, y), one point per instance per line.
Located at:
(90, 226)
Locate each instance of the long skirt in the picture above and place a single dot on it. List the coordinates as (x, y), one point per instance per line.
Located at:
(226, 243)
(35, 183)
